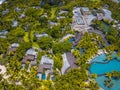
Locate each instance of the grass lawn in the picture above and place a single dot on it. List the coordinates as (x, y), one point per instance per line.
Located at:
(35, 45)
(53, 10)
(26, 39)
(41, 11)
(32, 35)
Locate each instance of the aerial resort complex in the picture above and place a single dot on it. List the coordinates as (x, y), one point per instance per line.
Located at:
(59, 44)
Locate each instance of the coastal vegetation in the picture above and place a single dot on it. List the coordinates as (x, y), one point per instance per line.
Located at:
(32, 16)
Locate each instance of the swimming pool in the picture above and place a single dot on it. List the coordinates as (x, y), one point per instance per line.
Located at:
(43, 77)
(70, 40)
(100, 66)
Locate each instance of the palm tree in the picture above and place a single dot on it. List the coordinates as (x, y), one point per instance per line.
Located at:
(109, 75)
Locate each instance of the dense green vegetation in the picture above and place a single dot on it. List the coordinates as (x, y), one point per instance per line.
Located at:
(35, 20)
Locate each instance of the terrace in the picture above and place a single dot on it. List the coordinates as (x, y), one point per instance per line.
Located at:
(3, 33)
(45, 68)
(31, 56)
(13, 47)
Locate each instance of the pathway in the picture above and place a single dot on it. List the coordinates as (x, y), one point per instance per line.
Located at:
(66, 64)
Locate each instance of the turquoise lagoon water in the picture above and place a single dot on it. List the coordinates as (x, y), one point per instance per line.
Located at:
(101, 66)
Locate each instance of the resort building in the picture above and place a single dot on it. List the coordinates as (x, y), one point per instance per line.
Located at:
(3, 33)
(77, 38)
(107, 14)
(79, 23)
(82, 18)
(17, 9)
(13, 47)
(68, 62)
(14, 23)
(22, 15)
(60, 17)
(118, 27)
(38, 36)
(63, 12)
(99, 16)
(44, 15)
(52, 24)
(30, 56)
(5, 12)
(45, 68)
(85, 11)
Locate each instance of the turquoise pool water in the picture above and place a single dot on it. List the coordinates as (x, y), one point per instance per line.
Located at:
(116, 83)
(71, 40)
(43, 77)
(101, 66)
(52, 78)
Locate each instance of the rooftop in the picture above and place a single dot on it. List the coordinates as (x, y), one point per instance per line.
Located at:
(28, 57)
(14, 23)
(15, 45)
(76, 11)
(3, 32)
(41, 35)
(63, 12)
(71, 59)
(31, 52)
(85, 9)
(47, 60)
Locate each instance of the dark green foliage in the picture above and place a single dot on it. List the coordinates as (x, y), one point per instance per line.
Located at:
(4, 44)
(45, 43)
(21, 50)
(61, 47)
